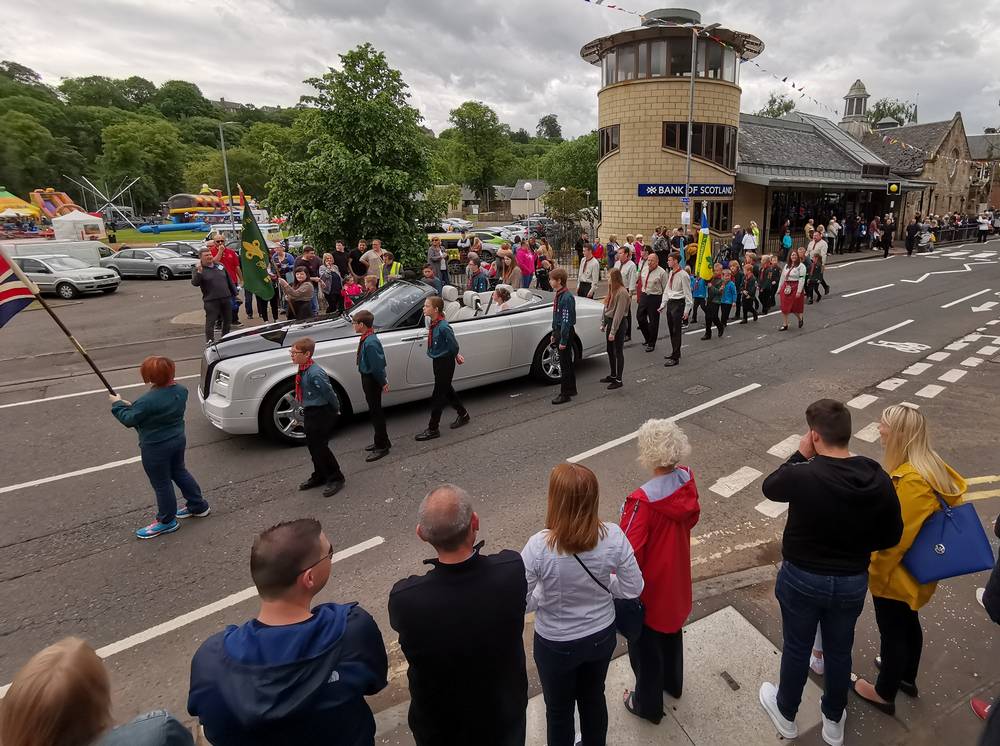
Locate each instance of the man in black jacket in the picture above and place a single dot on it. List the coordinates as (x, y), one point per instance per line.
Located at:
(841, 508)
(217, 293)
(296, 674)
(461, 627)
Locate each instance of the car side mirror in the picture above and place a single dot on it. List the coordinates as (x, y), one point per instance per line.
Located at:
(149, 258)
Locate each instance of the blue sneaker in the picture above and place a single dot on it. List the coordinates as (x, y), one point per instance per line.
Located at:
(187, 513)
(156, 528)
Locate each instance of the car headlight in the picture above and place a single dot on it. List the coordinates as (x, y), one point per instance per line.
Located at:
(221, 383)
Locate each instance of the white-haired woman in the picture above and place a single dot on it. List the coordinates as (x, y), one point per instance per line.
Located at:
(657, 519)
(920, 476)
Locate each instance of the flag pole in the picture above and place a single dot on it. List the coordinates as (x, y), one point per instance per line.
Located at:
(38, 296)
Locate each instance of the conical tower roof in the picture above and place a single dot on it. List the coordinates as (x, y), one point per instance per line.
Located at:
(858, 89)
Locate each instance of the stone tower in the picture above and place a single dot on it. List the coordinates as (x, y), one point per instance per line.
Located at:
(856, 110)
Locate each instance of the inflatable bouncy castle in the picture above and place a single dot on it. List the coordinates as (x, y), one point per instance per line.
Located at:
(52, 203)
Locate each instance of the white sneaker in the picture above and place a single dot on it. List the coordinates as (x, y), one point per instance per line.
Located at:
(980, 592)
(769, 701)
(833, 732)
(817, 665)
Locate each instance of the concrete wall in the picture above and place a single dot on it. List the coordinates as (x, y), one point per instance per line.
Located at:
(640, 107)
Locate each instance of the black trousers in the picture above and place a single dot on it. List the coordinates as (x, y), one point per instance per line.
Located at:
(573, 674)
(698, 303)
(647, 317)
(567, 367)
(318, 423)
(334, 303)
(675, 316)
(444, 393)
(583, 289)
(749, 307)
(812, 286)
(373, 396)
(616, 353)
(215, 311)
(902, 641)
(712, 318)
(983, 235)
(263, 305)
(657, 660)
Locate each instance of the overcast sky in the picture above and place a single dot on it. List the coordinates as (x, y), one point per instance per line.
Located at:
(519, 56)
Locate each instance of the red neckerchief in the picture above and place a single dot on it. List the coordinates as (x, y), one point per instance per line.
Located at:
(430, 332)
(555, 303)
(670, 282)
(298, 379)
(368, 333)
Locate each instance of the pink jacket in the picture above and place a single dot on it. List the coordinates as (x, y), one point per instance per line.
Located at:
(525, 261)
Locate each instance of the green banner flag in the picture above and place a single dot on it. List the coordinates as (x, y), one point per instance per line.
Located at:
(254, 256)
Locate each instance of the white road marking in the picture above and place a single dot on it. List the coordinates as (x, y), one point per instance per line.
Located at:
(972, 362)
(964, 298)
(86, 393)
(937, 357)
(869, 433)
(983, 255)
(991, 323)
(952, 375)
(674, 418)
(917, 368)
(857, 342)
(862, 401)
(787, 447)
(729, 485)
(701, 329)
(841, 265)
(988, 350)
(770, 508)
(984, 307)
(891, 384)
(956, 346)
(70, 474)
(869, 290)
(909, 404)
(216, 606)
(930, 391)
(954, 253)
(966, 268)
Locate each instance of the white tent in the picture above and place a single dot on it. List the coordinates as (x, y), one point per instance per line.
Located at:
(10, 213)
(78, 226)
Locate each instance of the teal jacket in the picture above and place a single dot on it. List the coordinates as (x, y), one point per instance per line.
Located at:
(443, 342)
(317, 390)
(157, 415)
(371, 359)
(563, 317)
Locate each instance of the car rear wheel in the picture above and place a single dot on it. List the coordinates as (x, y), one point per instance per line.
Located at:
(66, 291)
(164, 273)
(545, 364)
(281, 417)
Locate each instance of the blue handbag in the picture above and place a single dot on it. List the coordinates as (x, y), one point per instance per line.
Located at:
(951, 542)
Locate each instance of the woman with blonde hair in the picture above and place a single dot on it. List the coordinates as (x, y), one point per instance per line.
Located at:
(922, 479)
(573, 568)
(657, 519)
(617, 303)
(62, 697)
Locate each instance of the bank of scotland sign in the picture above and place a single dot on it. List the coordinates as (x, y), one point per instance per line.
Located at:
(677, 190)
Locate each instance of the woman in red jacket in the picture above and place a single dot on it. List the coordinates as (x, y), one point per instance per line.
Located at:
(657, 519)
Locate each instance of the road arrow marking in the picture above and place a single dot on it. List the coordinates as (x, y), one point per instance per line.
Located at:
(985, 307)
(967, 268)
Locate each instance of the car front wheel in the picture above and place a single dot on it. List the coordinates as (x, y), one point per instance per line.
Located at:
(281, 416)
(66, 291)
(164, 273)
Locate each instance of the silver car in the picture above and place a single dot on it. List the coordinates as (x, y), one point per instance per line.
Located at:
(248, 380)
(66, 276)
(163, 263)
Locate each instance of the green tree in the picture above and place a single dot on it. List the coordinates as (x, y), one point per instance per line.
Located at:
(246, 168)
(479, 146)
(178, 99)
(548, 128)
(366, 161)
(30, 157)
(50, 116)
(149, 149)
(137, 91)
(447, 194)
(778, 104)
(572, 163)
(93, 90)
(19, 73)
(205, 131)
(85, 125)
(284, 139)
(521, 136)
(901, 111)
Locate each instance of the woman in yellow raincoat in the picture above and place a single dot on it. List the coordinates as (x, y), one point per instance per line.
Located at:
(920, 475)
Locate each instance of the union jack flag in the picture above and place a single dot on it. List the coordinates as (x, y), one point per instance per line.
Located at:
(15, 292)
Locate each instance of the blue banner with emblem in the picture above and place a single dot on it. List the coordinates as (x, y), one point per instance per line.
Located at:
(677, 190)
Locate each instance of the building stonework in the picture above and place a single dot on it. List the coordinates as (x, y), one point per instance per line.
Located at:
(639, 108)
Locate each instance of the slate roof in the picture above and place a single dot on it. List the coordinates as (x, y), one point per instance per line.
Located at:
(927, 137)
(503, 192)
(980, 147)
(782, 147)
(538, 188)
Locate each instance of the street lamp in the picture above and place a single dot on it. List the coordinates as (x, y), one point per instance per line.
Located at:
(225, 168)
(527, 190)
(695, 34)
(587, 192)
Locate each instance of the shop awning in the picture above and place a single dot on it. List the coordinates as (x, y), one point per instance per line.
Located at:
(815, 182)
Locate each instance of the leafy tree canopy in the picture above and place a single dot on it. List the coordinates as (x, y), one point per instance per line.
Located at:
(572, 163)
(30, 157)
(178, 99)
(481, 148)
(778, 104)
(901, 111)
(148, 149)
(548, 127)
(246, 168)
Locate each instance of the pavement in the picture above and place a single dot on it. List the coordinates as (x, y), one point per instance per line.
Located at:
(893, 330)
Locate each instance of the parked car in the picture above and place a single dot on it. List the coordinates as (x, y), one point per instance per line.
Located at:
(66, 276)
(162, 263)
(248, 381)
(295, 243)
(88, 252)
(190, 249)
(458, 224)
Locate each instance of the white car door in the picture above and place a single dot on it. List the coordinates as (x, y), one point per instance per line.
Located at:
(484, 342)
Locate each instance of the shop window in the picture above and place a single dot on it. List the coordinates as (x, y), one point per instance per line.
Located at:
(713, 142)
(626, 63)
(720, 216)
(700, 64)
(609, 67)
(714, 63)
(658, 59)
(729, 65)
(642, 60)
(608, 140)
(680, 57)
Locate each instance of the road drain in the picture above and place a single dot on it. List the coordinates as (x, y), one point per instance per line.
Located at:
(731, 681)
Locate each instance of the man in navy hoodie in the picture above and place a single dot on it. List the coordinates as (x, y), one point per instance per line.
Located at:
(295, 674)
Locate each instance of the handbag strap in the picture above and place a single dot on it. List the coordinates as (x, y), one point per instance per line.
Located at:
(592, 576)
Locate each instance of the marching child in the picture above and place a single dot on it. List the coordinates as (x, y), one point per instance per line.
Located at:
(748, 295)
(374, 382)
(442, 349)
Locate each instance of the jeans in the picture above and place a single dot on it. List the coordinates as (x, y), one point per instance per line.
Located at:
(373, 396)
(444, 392)
(318, 423)
(832, 601)
(573, 673)
(657, 660)
(164, 465)
(215, 311)
(902, 641)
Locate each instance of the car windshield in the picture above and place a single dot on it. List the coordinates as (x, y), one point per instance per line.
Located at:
(164, 254)
(66, 262)
(392, 303)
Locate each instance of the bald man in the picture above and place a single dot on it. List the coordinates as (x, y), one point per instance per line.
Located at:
(460, 627)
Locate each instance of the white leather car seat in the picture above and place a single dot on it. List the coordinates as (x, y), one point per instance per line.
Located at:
(526, 295)
(449, 294)
(470, 298)
(468, 310)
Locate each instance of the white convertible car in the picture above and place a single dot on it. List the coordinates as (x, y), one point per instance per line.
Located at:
(248, 380)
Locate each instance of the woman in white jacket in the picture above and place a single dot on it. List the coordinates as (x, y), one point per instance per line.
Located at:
(790, 287)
